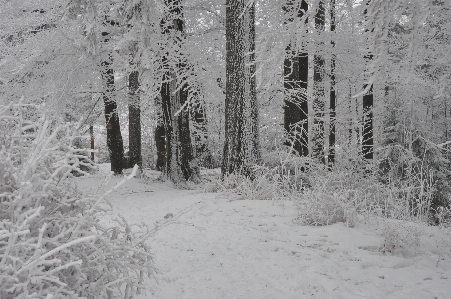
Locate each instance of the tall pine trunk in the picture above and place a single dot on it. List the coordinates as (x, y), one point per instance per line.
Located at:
(319, 90)
(114, 137)
(295, 87)
(332, 98)
(134, 120)
(178, 147)
(237, 155)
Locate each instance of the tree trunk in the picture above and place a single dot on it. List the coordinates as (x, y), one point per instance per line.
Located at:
(160, 136)
(134, 120)
(200, 133)
(332, 99)
(367, 134)
(319, 90)
(91, 132)
(295, 86)
(252, 146)
(179, 152)
(234, 154)
(114, 137)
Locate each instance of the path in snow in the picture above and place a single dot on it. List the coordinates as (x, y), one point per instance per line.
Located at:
(215, 247)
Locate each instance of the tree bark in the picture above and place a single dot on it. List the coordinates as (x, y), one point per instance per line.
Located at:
(332, 98)
(252, 146)
(234, 155)
(368, 99)
(200, 133)
(319, 90)
(134, 120)
(160, 138)
(91, 133)
(179, 163)
(114, 137)
(295, 86)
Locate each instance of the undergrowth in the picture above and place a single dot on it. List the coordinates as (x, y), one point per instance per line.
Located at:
(51, 242)
(353, 189)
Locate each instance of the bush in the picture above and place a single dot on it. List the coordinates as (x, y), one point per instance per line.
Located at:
(51, 242)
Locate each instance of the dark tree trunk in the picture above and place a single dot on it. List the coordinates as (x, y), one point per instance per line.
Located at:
(350, 119)
(134, 120)
(114, 137)
(295, 86)
(200, 133)
(252, 147)
(179, 151)
(91, 132)
(367, 134)
(332, 100)
(186, 147)
(319, 92)
(233, 156)
(160, 136)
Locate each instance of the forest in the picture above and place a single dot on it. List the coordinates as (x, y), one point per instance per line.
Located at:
(338, 111)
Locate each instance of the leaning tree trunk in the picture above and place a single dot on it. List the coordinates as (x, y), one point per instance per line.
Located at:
(179, 163)
(234, 151)
(295, 87)
(319, 92)
(332, 98)
(134, 120)
(114, 137)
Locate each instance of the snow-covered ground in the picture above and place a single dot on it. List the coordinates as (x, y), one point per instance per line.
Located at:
(218, 246)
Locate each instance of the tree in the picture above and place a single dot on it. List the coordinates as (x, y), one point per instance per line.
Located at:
(332, 95)
(319, 89)
(367, 134)
(295, 86)
(238, 155)
(199, 130)
(134, 120)
(251, 128)
(159, 136)
(174, 94)
(114, 136)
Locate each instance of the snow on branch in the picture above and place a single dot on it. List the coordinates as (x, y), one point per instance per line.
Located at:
(51, 243)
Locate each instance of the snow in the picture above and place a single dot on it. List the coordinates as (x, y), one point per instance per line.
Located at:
(214, 245)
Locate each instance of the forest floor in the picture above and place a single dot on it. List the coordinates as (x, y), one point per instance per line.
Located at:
(214, 245)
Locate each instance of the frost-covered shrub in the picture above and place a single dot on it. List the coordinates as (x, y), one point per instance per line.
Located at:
(400, 238)
(51, 242)
(419, 176)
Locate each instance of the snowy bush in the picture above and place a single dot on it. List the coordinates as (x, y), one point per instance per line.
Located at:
(51, 242)
(400, 237)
